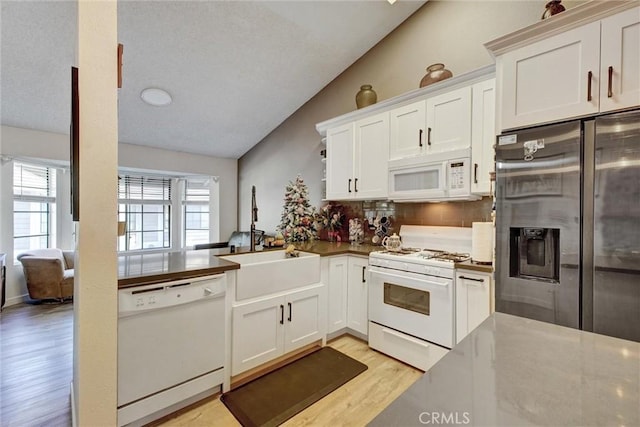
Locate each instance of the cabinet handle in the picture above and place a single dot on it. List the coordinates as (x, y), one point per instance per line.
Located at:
(429, 136)
(349, 185)
(281, 314)
(610, 83)
(420, 137)
(363, 269)
(355, 185)
(589, 78)
(289, 318)
(475, 173)
(471, 278)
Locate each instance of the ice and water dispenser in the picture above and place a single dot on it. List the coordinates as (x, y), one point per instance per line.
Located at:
(534, 253)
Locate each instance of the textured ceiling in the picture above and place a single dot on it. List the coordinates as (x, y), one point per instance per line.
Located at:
(235, 69)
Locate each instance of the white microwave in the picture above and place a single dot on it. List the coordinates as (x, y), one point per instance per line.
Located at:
(436, 177)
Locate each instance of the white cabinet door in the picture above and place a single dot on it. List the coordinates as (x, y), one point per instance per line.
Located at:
(303, 319)
(483, 136)
(449, 121)
(357, 295)
(340, 152)
(620, 61)
(407, 124)
(337, 290)
(257, 333)
(550, 79)
(371, 157)
(473, 301)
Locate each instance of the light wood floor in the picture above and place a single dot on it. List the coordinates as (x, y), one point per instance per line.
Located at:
(354, 404)
(36, 365)
(36, 352)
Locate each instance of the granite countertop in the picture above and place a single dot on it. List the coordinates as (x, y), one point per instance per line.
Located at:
(139, 269)
(513, 371)
(470, 265)
(324, 248)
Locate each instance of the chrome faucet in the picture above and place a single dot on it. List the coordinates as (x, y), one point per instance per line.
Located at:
(254, 218)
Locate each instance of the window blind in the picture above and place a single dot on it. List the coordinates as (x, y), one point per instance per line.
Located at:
(146, 189)
(196, 190)
(33, 183)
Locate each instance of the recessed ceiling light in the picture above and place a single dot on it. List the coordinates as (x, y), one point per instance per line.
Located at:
(391, 1)
(156, 97)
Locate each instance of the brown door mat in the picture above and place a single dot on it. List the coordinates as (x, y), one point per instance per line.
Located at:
(274, 398)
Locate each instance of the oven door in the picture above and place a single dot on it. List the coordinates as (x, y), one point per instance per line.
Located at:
(416, 304)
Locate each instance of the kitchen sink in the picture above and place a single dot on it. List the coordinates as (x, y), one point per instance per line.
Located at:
(264, 273)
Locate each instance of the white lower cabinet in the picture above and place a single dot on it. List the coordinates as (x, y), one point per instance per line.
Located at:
(338, 277)
(267, 328)
(473, 301)
(357, 295)
(347, 283)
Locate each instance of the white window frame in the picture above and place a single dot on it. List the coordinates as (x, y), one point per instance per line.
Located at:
(201, 199)
(50, 200)
(126, 199)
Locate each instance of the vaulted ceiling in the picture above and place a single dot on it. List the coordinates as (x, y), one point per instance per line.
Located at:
(235, 69)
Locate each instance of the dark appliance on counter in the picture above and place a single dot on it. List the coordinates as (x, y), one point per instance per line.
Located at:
(568, 224)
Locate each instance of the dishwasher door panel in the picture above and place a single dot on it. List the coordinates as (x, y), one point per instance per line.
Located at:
(161, 348)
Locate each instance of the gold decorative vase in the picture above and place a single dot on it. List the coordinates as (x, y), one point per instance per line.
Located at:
(552, 8)
(366, 96)
(435, 73)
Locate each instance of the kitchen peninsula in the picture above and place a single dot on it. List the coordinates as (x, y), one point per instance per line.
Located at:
(146, 268)
(139, 269)
(516, 371)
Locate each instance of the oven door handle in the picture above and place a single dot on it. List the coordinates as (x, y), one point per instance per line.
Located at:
(400, 278)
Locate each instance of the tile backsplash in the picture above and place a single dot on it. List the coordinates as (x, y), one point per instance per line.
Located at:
(452, 214)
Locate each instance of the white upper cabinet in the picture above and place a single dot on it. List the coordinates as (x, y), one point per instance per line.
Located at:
(439, 123)
(340, 145)
(620, 61)
(449, 121)
(357, 155)
(551, 79)
(371, 155)
(582, 62)
(407, 130)
(483, 136)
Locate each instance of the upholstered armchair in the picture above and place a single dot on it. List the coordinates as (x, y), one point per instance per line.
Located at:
(48, 272)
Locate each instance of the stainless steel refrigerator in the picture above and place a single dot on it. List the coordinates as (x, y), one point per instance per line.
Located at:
(568, 224)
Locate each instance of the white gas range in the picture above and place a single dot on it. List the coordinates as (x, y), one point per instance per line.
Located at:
(412, 294)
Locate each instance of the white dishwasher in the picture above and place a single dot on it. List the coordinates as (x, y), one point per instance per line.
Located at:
(171, 346)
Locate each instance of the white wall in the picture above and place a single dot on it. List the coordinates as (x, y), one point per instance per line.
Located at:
(451, 32)
(50, 147)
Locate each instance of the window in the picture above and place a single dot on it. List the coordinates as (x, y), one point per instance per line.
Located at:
(34, 207)
(144, 203)
(196, 211)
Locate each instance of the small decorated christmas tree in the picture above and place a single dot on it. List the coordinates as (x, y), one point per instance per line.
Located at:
(297, 222)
